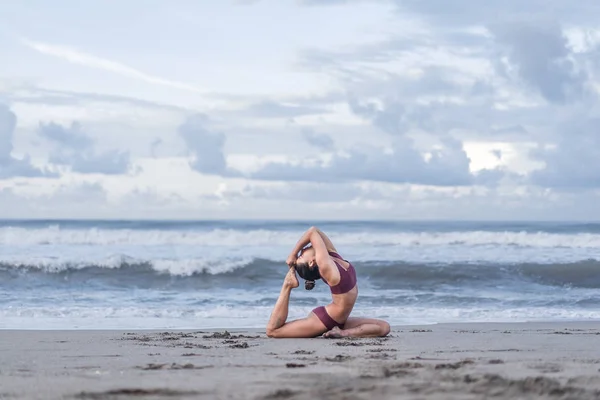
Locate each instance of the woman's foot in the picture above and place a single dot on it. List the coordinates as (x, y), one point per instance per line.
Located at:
(335, 333)
(291, 280)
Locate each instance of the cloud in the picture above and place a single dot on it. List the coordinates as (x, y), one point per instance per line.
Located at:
(8, 123)
(71, 137)
(447, 165)
(75, 149)
(303, 191)
(10, 166)
(272, 109)
(407, 97)
(71, 201)
(154, 146)
(542, 59)
(205, 146)
(79, 57)
(329, 2)
(318, 140)
(88, 199)
(37, 95)
(571, 156)
(474, 12)
(517, 82)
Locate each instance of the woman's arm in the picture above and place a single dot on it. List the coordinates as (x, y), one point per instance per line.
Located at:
(326, 240)
(303, 241)
(306, 238)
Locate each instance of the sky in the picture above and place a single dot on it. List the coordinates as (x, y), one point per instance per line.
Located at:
(300, 109)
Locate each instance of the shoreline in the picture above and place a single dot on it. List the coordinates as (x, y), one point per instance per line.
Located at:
(517, 360)
(259, 330)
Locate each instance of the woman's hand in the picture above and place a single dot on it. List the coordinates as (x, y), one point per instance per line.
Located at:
(291, 260)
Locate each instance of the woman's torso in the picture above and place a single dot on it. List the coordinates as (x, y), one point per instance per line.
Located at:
(345, 292)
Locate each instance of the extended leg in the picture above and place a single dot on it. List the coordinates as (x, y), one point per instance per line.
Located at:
(360, 327)
(280, 312)
(302, 328)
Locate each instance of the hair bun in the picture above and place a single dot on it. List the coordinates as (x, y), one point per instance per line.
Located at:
(309, 285)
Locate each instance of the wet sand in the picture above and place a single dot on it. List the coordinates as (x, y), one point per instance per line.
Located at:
(458, 361)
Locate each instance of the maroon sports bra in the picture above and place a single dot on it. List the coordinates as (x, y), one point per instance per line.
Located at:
(347, 277)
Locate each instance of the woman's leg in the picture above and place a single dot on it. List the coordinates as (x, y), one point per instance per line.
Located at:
(302, 328)
(360, 327)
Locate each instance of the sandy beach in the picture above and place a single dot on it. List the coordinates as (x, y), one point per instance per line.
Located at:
(453, 361)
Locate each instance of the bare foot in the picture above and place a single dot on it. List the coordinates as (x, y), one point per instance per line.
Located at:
(291, 280)
(335, 333)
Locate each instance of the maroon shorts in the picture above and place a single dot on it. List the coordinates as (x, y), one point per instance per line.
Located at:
(329, 322)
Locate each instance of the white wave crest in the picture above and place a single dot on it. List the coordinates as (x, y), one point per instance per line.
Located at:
(56, 235)
(178, 267)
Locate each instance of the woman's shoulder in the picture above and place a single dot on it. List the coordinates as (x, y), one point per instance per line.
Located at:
(334, 253)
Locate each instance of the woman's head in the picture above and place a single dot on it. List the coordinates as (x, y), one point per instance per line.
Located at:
(307, 267)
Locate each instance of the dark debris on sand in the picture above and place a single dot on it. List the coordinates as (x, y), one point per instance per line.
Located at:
(350, 343)
(295, 365)
(338, 358)
(166, 339)
(455, 365)
(227, 335)
(138, 392)
(190, 345)
(243, 345)
(381, 356)
(171, 366)
(400, 369)
(303, 352)
(280, 394)
(359, 342)
(494, 385)
(379, 350)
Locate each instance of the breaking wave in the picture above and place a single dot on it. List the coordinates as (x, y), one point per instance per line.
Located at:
(584, 274)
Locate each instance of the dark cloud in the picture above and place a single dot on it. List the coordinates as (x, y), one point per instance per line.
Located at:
(10, 166)
(71, 137)
(571, 156)
(540, 54)
(75, 149)
(205, 146)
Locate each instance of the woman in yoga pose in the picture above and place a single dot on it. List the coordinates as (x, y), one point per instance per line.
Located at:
(315, 257)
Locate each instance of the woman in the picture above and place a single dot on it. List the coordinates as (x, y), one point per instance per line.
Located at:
(321, 260)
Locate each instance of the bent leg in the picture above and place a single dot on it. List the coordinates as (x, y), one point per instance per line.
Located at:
(302, 328)
(361, 327)
(308, 327)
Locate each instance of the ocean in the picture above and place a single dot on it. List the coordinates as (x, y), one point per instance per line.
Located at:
(207, 274)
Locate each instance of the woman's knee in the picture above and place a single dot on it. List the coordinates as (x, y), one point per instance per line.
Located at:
(385, 328)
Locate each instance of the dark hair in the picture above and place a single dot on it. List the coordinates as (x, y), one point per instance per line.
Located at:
(309, 274)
